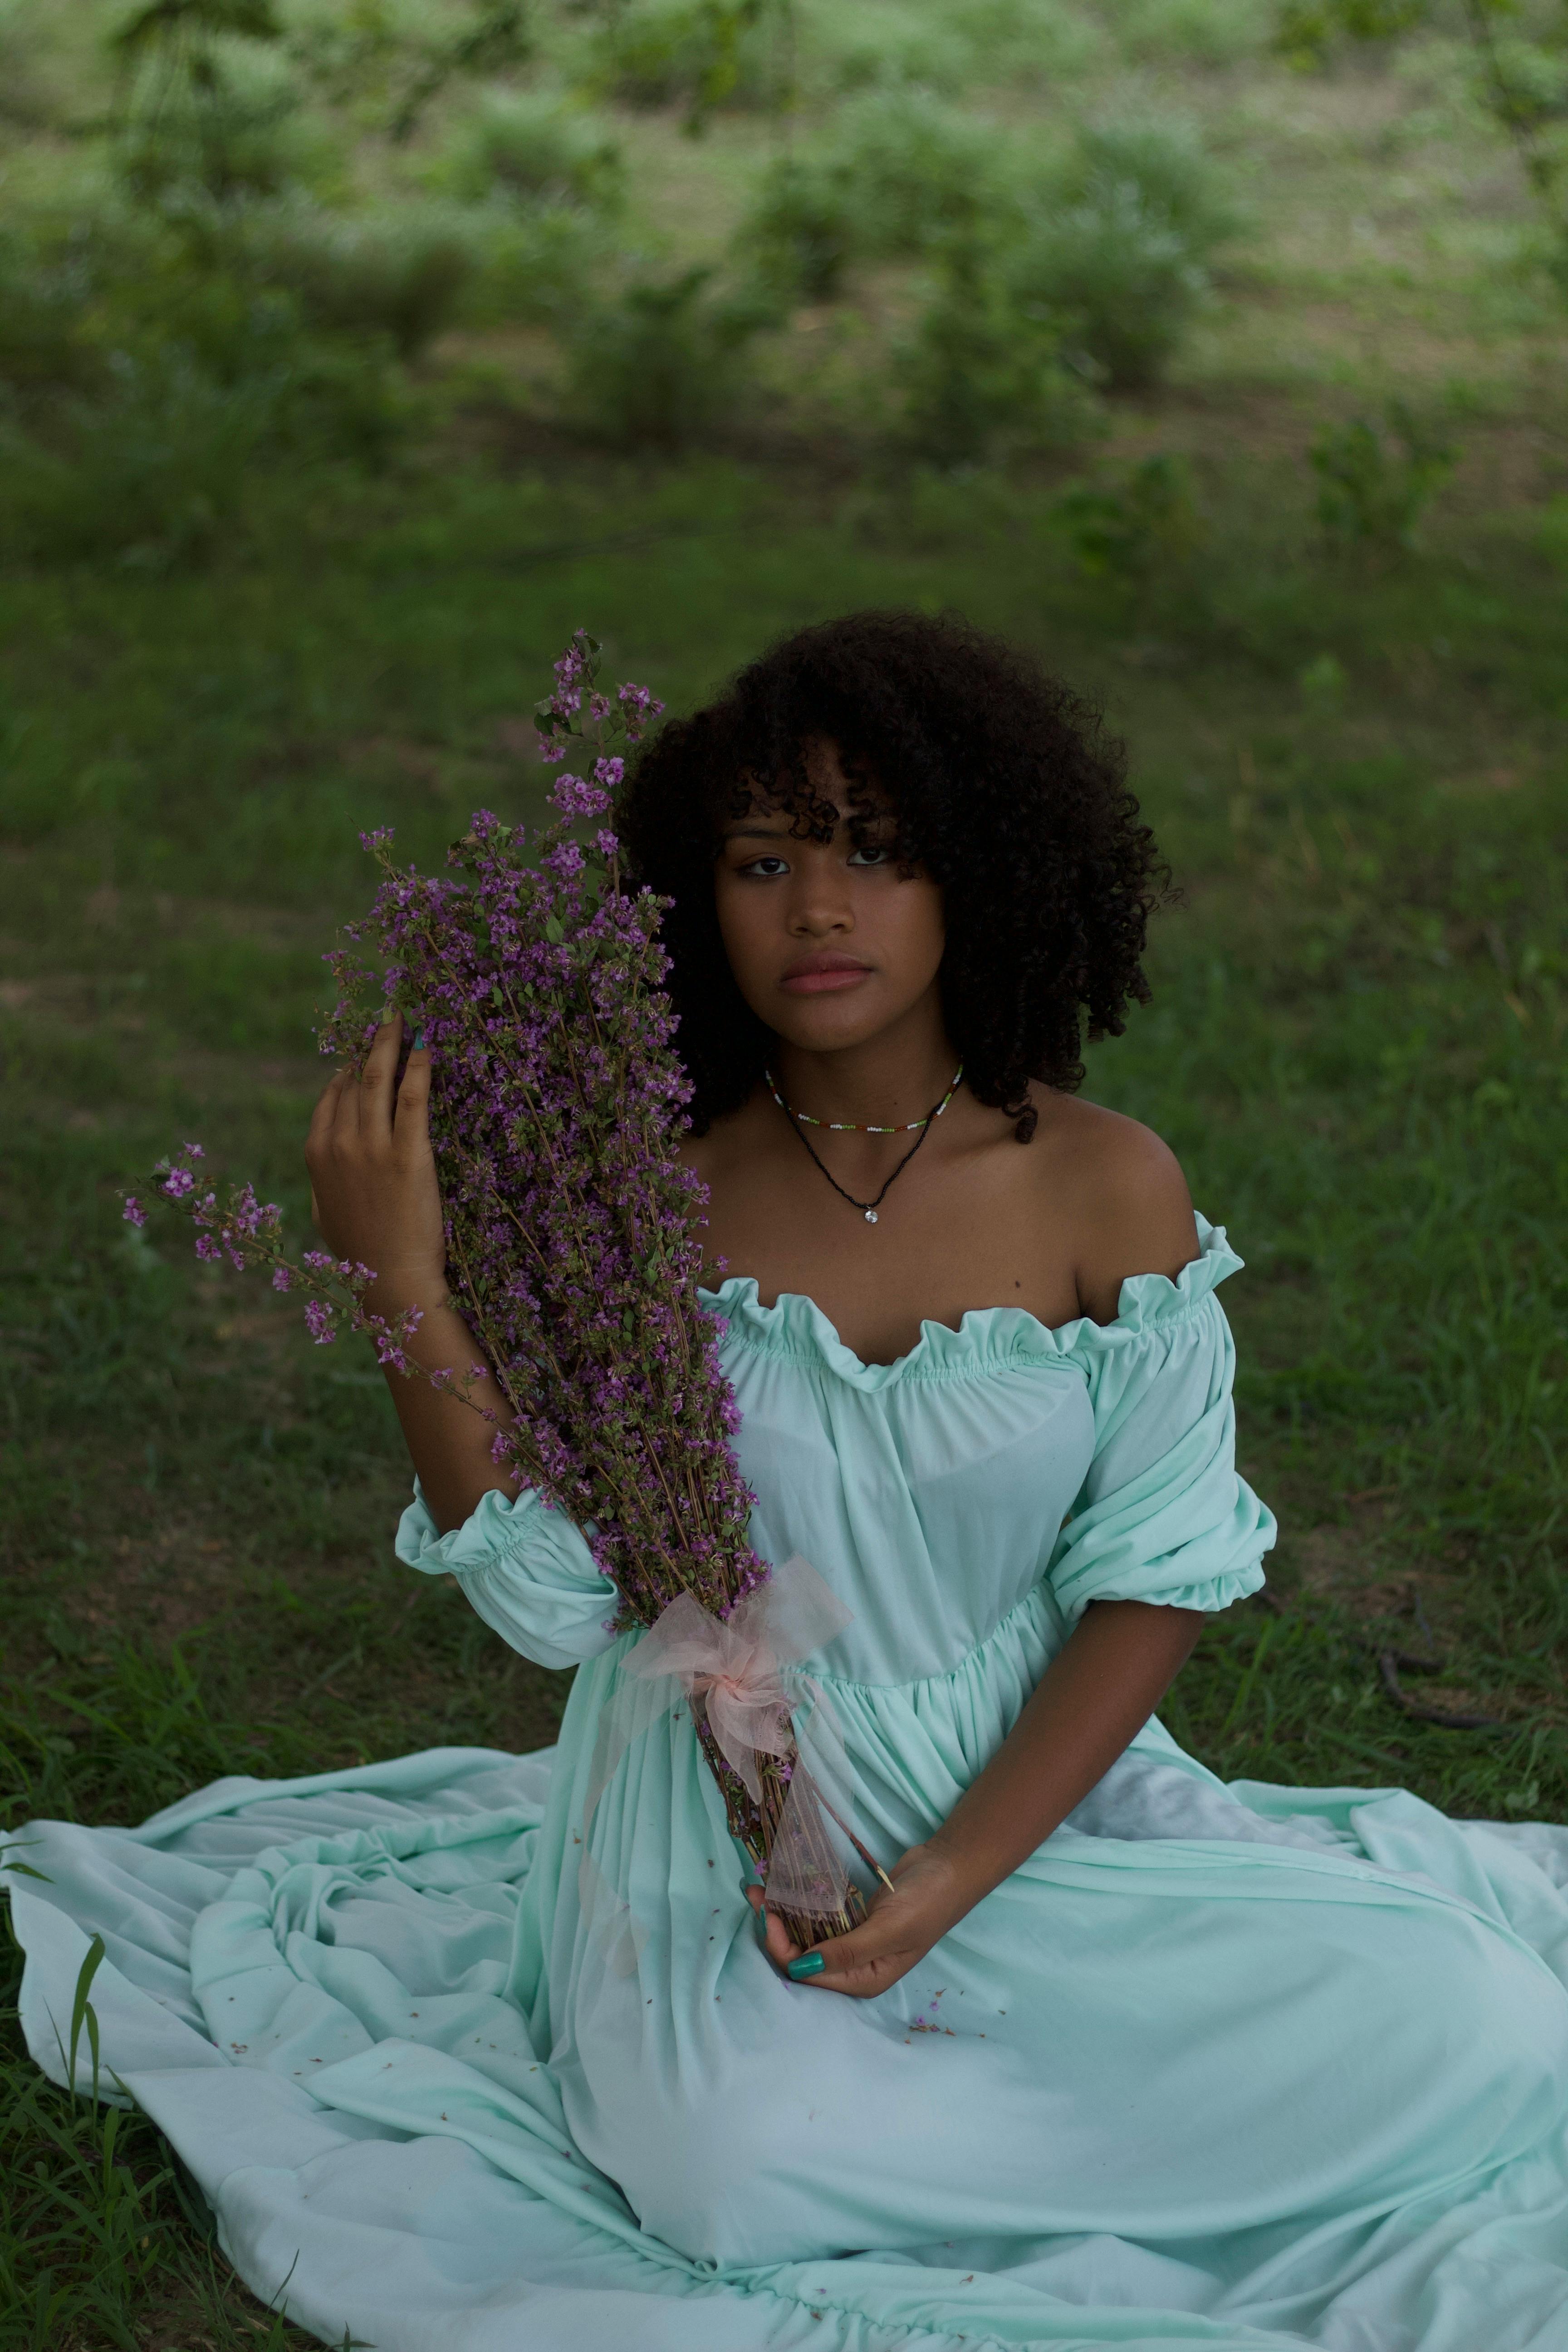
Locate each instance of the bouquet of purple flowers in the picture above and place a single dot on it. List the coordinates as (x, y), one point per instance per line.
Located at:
(557, 1104)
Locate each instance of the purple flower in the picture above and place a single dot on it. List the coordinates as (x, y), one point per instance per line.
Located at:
(208, 1248)
(575, 797)
(558, 1106)
(133, 1212)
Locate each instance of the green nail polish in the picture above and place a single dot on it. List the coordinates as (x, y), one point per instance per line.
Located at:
(810, 1963)
(418, 1039)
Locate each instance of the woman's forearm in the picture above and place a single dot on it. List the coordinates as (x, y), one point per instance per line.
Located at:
(376, 1202)
(447, 1436)
(1093, 1699)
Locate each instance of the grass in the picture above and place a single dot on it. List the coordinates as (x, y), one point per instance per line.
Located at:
(1356, 766)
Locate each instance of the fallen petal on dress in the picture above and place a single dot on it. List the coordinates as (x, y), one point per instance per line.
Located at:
(1252, 2067)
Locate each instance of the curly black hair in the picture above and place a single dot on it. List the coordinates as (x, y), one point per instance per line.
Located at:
(1004, 787)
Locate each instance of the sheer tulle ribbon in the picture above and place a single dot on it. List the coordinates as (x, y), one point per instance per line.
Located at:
(744, 1670)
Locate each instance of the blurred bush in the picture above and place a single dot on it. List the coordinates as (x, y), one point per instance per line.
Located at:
(869, 49)
(530, 261)
(1125, 279)
(143, 372)
(1123, 249)
(802, 231)
(1213, 32)
(151, 466)
(957, 46)
(982, 372)
(386, 61)
(400, 270)
(47, 287)
(238, 129)
(699, 55)
(899, 172)
(917, 168)
(1376, 480)
(1119, 526)
(531, 144)
(662, 361)
(1177, 179)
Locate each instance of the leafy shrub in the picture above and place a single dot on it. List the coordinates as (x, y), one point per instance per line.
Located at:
(154, 466)
(44, 299)
(1376, 481)
(402, 271)
(948, 48)
(662, 361)
(533, 144)
(1178, 182)
(529, 261)
(143, 376)
(983, 372)
(242, 132)
(900, 174)
(917, 170)
(1213, 32)
(1124, 279)
(802, 231)
(1123, 250)
(867, 49)
(386, 61)
(1121, 526)
(699, 54)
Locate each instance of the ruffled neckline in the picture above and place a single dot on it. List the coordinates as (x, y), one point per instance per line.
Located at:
(796, 1326)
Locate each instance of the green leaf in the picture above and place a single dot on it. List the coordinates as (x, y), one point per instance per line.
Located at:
(18, 1846)
(83, 2013)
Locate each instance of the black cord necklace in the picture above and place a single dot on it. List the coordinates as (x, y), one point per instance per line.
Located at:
(868, 1208)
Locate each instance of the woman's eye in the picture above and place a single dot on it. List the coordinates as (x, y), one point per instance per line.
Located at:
(765, 867)
(869, 856)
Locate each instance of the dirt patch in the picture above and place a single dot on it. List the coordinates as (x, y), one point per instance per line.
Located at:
(1346, 1562)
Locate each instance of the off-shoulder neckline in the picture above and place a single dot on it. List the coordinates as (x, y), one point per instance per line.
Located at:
(795, 1327)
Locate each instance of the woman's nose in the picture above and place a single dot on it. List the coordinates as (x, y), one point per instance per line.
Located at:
(821, 902)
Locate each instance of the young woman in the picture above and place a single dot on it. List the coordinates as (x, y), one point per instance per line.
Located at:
(1120, 2055)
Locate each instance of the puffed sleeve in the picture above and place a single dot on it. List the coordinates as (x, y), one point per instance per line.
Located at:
(527, 1570)
(1161, 1515)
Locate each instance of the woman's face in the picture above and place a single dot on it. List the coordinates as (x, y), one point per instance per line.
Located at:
(829, 944)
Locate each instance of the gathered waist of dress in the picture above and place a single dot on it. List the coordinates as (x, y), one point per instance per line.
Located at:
(1033, 1630)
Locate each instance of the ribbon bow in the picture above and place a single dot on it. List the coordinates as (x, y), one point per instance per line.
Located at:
(734, 1664)
(738, 1666)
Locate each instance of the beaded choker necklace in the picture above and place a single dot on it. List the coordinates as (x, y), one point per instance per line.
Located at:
(803, 1119)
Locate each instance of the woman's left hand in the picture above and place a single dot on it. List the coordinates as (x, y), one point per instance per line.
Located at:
(902, 1924)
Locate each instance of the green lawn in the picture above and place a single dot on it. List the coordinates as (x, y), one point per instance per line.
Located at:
(1357, 769)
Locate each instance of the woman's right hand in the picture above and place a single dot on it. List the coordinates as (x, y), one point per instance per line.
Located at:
(375, 1197)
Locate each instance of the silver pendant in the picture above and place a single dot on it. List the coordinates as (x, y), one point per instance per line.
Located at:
(870, 1216)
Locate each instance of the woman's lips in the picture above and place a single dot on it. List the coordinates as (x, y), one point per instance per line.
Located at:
(834, 973)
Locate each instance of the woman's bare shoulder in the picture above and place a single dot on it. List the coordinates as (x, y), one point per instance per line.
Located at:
(1124, 1195)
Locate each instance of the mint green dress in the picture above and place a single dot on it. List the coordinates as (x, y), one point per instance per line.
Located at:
(1246, 2066)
